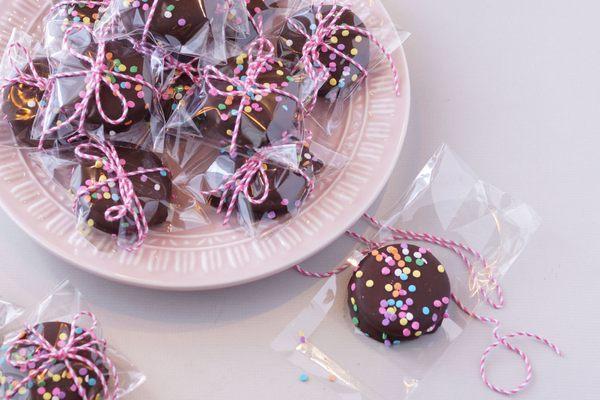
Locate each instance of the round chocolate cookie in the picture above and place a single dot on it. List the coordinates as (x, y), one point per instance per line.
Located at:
(343, 75)
(176, 21)
(122, 58)
(287, 188)
(21, 102)
(398, 293)
(153, 189)
(55, 382)
(265, 120)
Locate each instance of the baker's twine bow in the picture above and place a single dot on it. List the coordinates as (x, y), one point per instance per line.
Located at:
(326, 26)
(95, 77)
(260, 54)
(32, 78)
(463, 251)
(47, 355)
(130, 204)
(241, 181)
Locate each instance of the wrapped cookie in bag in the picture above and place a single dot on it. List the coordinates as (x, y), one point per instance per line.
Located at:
(61, 353)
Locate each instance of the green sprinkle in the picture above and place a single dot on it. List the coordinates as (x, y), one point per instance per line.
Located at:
(355, 320)
(221, 106)
(419, 262)
(408, 259)
(170, 7)
(133, 69)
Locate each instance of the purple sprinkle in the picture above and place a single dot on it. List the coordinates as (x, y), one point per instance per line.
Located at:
(181, 22)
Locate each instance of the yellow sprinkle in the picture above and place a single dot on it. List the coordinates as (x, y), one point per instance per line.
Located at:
(122, 68)
(441, 268)
(229, 88)
(22, 390)
(279, 72)
(102, 178)
(333, 82)
(358, 274)
(352, 300)
(345, 32)
(86, 20)
(370, 283)
(388, 288)
(354, 51)
(418, 333)
(98, 164)
(391, 310)
(354, 78)
(358, 38)
(247, 109)
(406, 270)
(229, 132)
(90, 222)
(403, 321)
(416, 273)
(106, 195)
(63, 336)
(333, 39)
(56, 378)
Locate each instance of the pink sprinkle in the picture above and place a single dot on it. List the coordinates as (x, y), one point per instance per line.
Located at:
(146, 7)
(285, 202)
(437, 303)
(140, 95)
(382, 310)
(136, 3)
(353, 287)
(130, 104)
(341, 46)
(144, 178)
(434, 317)
(406, 332)
(385, 322)
(409, 301)
(445, 300)
(402, 314)
(41, 390)
(271, 215)
(385, 271)
(181, 22)
(415, 325)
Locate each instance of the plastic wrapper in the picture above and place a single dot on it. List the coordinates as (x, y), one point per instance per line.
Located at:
(64, 14)
(8, 313)
(25, 88)
(105, 90)
(336, 44)
(447, 201)
(61, 351)
(186, 27)
(248, 104)
(120, 193)
(262, 190)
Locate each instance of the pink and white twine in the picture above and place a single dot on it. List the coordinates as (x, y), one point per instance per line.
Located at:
(47, 355)
(317, 41)
(464, 252)
(130, 202)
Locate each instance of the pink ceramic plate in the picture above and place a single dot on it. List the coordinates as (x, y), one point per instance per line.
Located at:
(215, 256)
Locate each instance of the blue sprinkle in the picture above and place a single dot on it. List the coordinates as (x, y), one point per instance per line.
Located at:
(234, 112)
(91, 382)
(391, 302)
(403, 277)
(303, 377)
(123, 85)
(399, 303)
(78, 331)
(313, 27)
(396, 342)
(285, 107)
(115, 197)
(426, 310)
(412, 288)
(163, 173)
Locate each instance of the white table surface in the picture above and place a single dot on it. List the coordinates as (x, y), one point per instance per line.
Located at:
(513, 86)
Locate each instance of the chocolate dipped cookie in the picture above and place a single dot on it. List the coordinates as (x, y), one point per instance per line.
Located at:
(266, 118)
(153, 189)
(56, 381)
(21, 103)
(343, 74)
(398, 292)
